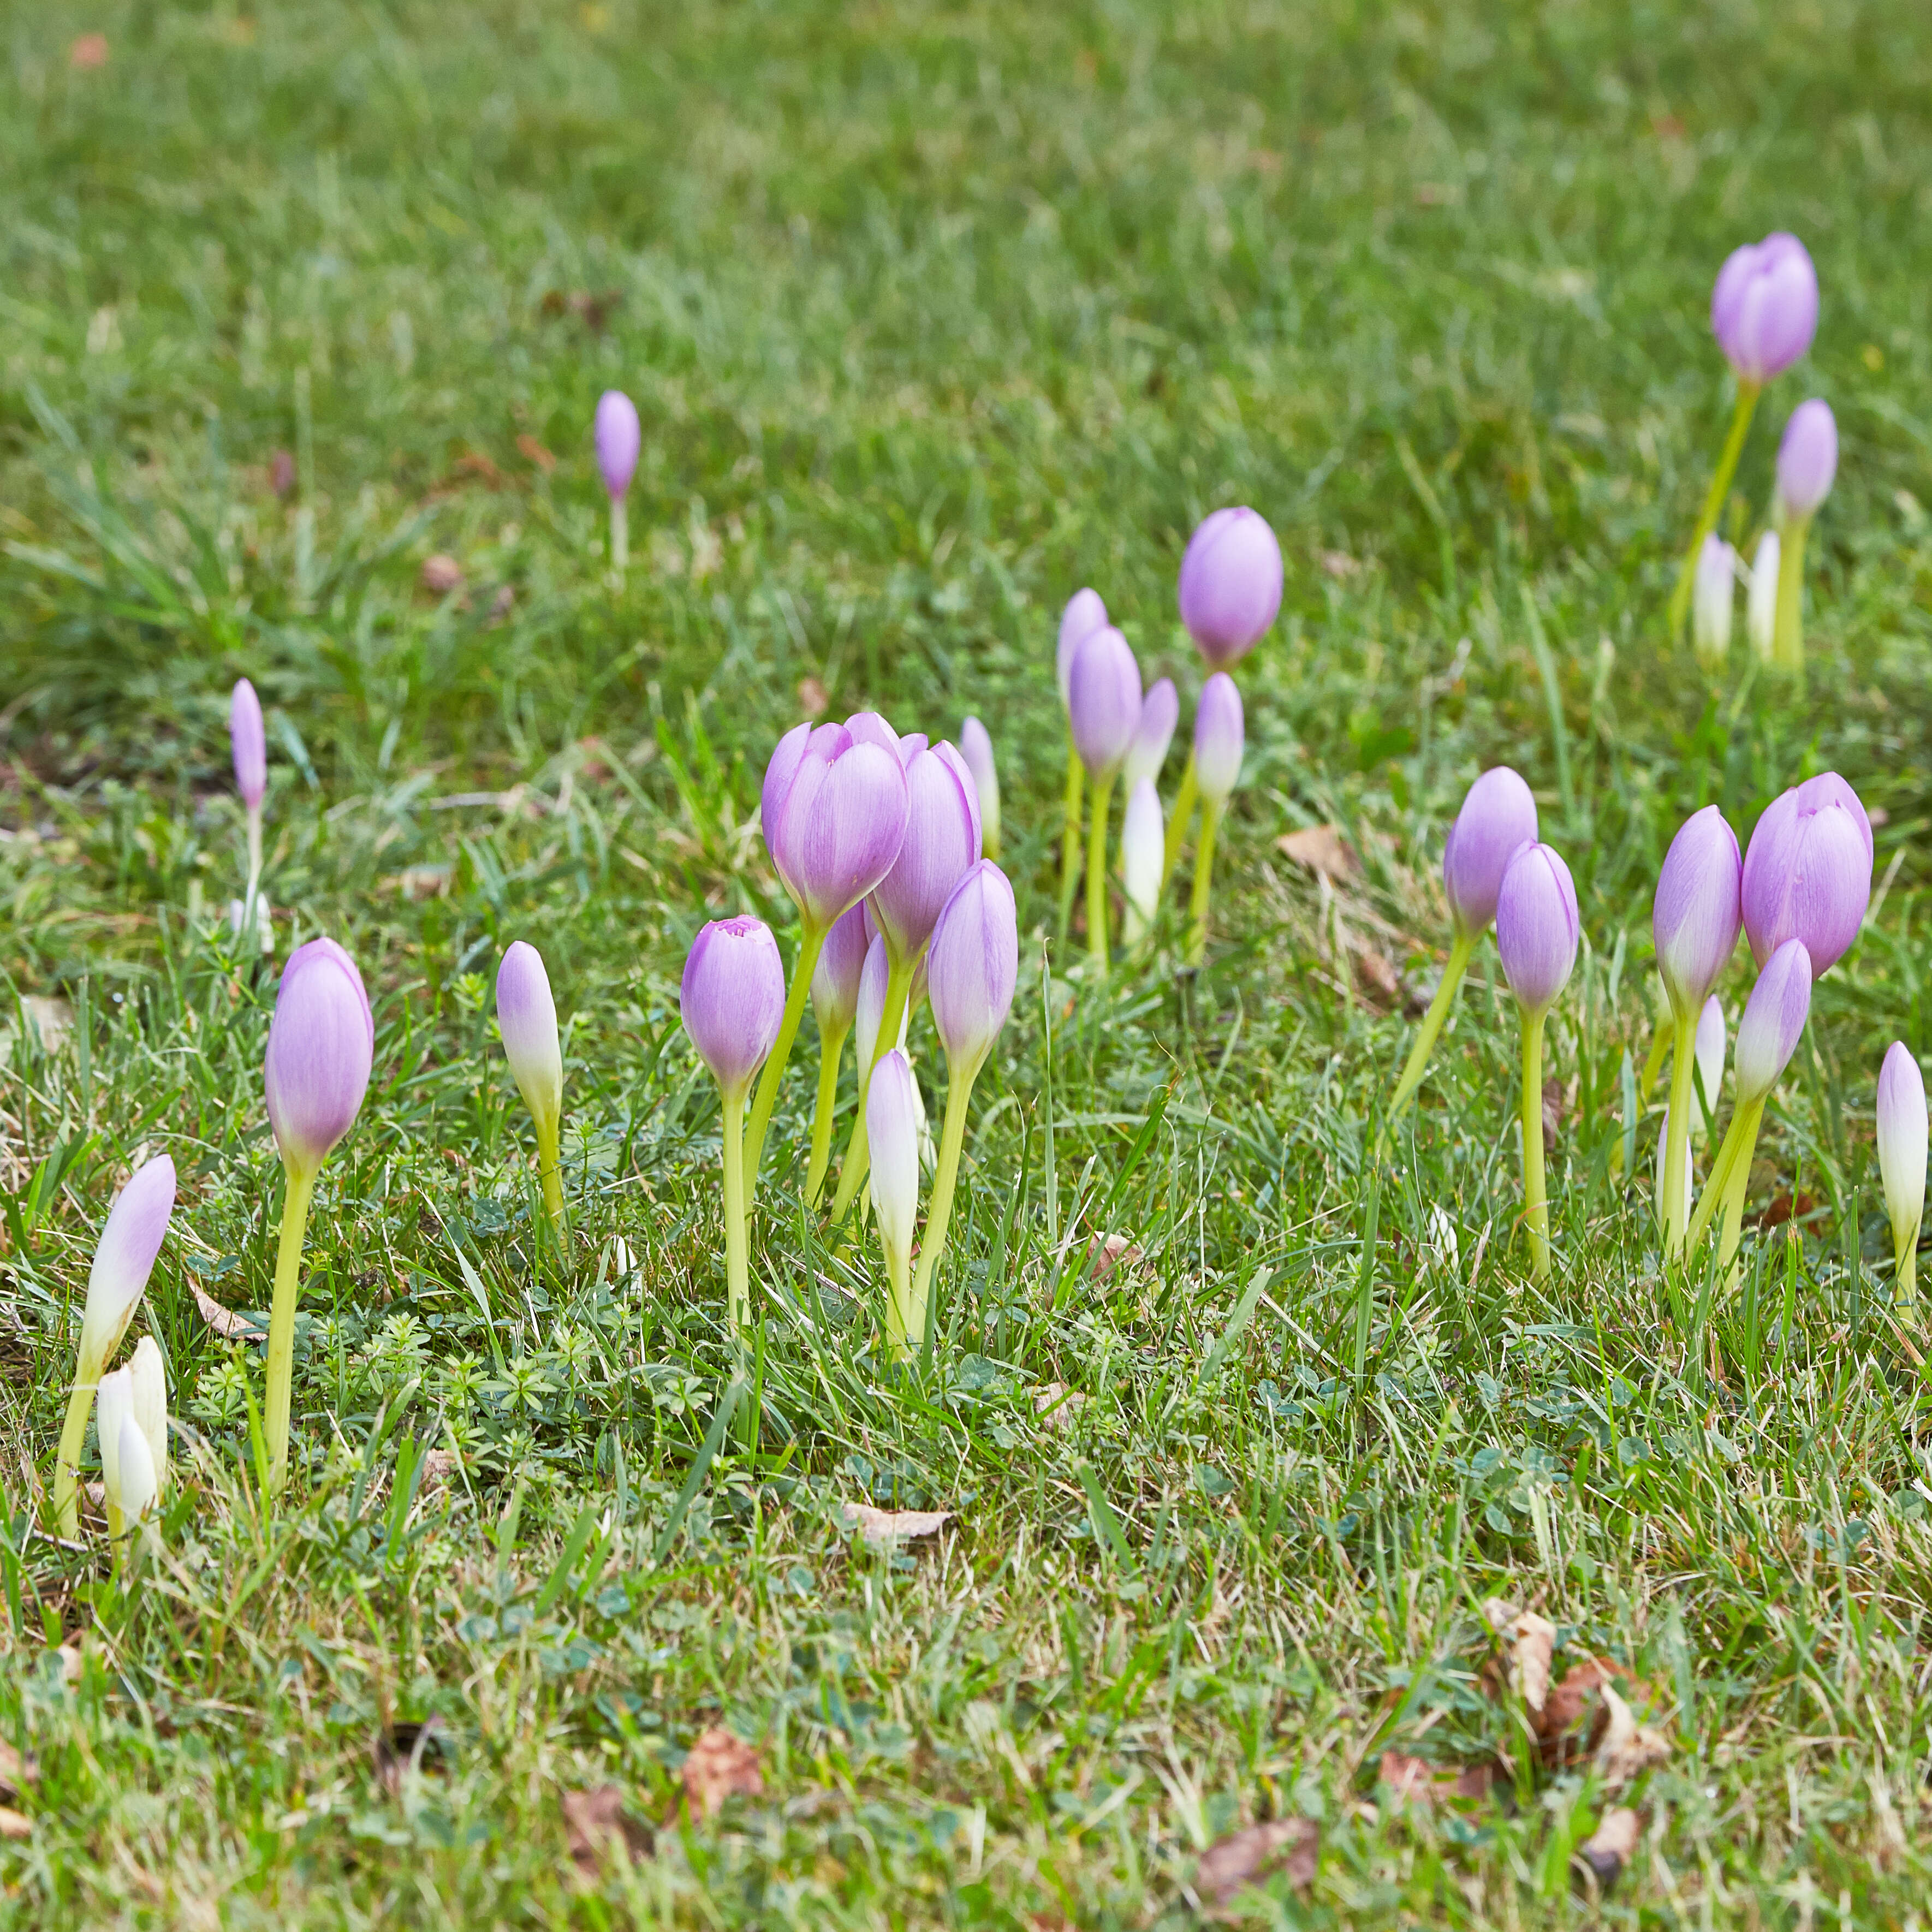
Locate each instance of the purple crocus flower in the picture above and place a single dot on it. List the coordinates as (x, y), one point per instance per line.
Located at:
(1218, 739)
(1808, 458)
(1104, 700)
(1537, 928)
(123, 1260)
(732, 999)
(973, 966)
(322, 1043)
(1160, 712)
(1084, 614)
(1230, 585)
(1764, 307)
(526, 1018)
(618, 438)
(1902, 1139)
(1774, 1017)
(942, 840)
(976, 746)
(249, 743)
(1695, 917)
(1497, 819)
(834, 810)
(835, 980)
(892, 1128)
(1807, 872)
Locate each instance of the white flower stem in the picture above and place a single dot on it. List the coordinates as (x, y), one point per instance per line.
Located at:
(1787, 645)
(858, 1149)
(620, 536)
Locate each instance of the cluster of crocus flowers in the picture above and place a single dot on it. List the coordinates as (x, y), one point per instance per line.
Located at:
(1497, 819)
(1538, 930)
(123, 1260)
(972, 968)
(617, 437)
(321, 1041)
(1764, 312)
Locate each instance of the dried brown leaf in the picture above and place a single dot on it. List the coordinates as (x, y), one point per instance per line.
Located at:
(1231, 1865)
(13, 1824)
(16, 1772)
(442, 574)
(51, 1017)
(1414, 1780)
(1322, 849)
(598, 1829)
(1608, 1849)
(1529, 1643)
(1057, 1406)
(226, 1322)
(1338, 564)
(1377, 980)
(87, 51)
(881, 1528)
(282, 473)
(1628, 1749)
(813, 699)
(1106, 1253)
(399, 1749)
(719, 1766)
(543, 458)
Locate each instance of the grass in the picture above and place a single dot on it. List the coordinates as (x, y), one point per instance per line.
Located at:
(932, 313)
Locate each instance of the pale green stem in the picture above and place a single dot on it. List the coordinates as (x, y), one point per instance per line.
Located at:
(67, 1457)
(1069, 836)
(1535, 1204)
(1176, 822)
(1737, 1186)
(1677, 1141)
(282, 1326)
(249, 936)
(810, 939)
(737, 1261)
(1096, 870)
(1211, 809)
(1714, 503)
(899, 1292)
(831, 1048)
(620, 536)
(549, 1166)
(1787, 637)
(1741, 1135)
(1659, 1045)
(1906, 1250)
(1460, 950)
(939, 1210)
(858, 1155)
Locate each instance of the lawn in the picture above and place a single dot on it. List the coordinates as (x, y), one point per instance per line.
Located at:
(933, 313)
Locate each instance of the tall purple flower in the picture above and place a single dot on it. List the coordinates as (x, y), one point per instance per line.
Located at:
(1104, 700)
(1764, 307)
(941, 843)
(1808, 458)
(1230, 585)
(249, 743)
(1160, 712)
(1774, 1020)
(1084, 615)
(618, 436)
(976, 746)
(322, 1043)
(1497, 820)
(973, 966)
(1902, 1140)
(1808, 871)
(526, 1018)
(732, 996)
(1695, 918)
(834, 809)
(1538, 926)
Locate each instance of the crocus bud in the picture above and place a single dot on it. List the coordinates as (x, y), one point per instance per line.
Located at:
(1230, 587)
(1764, 307)
(973, 966)
(1084, 614)
(127, 1472)
(1538, 928)
(892, 1129)
(835, 980)
(977, 747)
(322, 1044)
(733, 998)
(1160, 712)
(526, 1018)
(123, 1261)
(1761, 603)
(1497, 819)
(1808, 873)
(249, 744)
(1808, 458)
(1218, 740)
(833, 809)
(1901, 1143)
(867, 728)
(1710, 602)
(1773, 1017)
(1695, 916)
(1103, 700)
(941, 842)
(871, 1009)
(1708, 1052)
(136, 1397)
(618, 438)
(1143, 850)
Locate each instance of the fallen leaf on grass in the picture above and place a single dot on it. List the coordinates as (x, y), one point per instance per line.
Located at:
(1231, 1865)
(1338, 564)
(1106, 1253)
(880, 1528)
(282, 473)
(16, 1773)
(1377, 980)
(52, 1018)
(543, 458)
(1607, 1850)
(1553, 1111)
(418, 882)
(1322, 849)
(441, 574)
(87, 51)
(1581, 1714)
(598, 1829)
(813, 699)
(1783, 1208)
(1056, 1406)
(1628, 1748)
(14, 1824)
(1413, 1779)
(227, 1322)
(1529, 1643)
(717, 1767)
